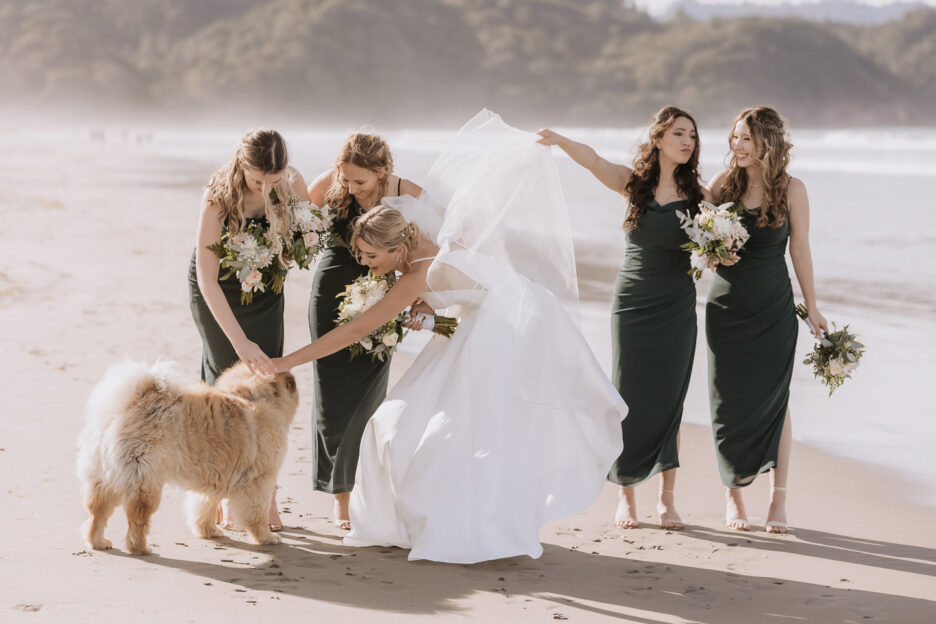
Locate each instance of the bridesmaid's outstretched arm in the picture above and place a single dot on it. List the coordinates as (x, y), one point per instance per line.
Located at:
(400, 296)
(612, 175)
(800, 252)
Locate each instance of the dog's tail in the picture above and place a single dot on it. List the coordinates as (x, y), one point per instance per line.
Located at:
(118, 389)
(125, 382)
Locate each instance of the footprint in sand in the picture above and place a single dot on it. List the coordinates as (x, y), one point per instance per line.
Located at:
(28, 608)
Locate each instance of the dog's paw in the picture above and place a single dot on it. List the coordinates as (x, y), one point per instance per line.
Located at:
(139, 550)
(272, 538)
(208, 532)
(101, 544)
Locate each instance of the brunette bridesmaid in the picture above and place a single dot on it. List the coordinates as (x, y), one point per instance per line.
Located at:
(653, 326)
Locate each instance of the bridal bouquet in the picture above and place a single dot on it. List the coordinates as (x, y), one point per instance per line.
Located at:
(835, 357)
(715, 234)
(361, 295)
(310, 231)
(249, 256)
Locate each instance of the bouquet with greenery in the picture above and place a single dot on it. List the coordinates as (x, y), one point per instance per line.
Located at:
(715, 234)
(835, 357)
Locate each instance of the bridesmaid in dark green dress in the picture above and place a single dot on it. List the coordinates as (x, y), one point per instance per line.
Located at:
(750, 324)
(347, 392)
(238, 194)
(653, 327)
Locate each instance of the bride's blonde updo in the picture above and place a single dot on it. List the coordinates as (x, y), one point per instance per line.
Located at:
(385, 228)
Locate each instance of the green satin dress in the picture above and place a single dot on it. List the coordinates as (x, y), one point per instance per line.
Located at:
(261, 320)
(751, 328)
(347, 392)
(653, 331)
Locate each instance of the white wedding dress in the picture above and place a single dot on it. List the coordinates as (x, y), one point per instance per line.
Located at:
(511, 423)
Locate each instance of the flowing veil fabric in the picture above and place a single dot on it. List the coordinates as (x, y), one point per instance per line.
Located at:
(510, 423)
(493, 203)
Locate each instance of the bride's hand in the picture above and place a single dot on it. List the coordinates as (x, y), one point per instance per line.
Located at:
(549, 137)
(419, 307)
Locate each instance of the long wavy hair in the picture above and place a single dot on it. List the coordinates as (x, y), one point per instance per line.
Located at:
(643, 182)
(772, 151)
(368, 151)
(265, 151)
(385, 228)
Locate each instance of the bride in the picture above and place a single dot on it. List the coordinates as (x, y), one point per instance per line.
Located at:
(510, 423)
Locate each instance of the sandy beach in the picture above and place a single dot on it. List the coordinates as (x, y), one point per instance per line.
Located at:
(93, 268)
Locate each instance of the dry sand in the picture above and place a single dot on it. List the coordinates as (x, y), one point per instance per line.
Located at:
(93, 270)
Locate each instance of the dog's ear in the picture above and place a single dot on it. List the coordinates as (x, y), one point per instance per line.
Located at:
(289, 381)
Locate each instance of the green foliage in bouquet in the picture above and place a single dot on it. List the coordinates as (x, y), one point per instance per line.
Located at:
(835, 357)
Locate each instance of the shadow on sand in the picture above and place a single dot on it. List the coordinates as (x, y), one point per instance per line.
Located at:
(312, 565)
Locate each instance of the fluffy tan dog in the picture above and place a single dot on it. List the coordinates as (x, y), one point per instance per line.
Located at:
(145, 428)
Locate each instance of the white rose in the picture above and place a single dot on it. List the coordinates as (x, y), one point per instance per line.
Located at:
(310, 238)
(252, 280)
(390, 339)
(836, 367)
(722, 226)
(698, 261)
(367, 343)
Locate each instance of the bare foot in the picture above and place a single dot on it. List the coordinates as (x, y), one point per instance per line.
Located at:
(735, 515)
(625, 516)
(274, 518)
(224, 517)
(340, 511)
(666, 508)
(776, 513)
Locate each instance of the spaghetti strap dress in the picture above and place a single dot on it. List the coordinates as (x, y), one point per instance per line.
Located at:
(751, 328)
(653, 333)
(261, 320)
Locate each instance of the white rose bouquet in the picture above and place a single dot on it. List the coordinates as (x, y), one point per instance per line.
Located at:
(251, 257)
(361, 295)
(715, 234)
(310, 231)
(835, 357)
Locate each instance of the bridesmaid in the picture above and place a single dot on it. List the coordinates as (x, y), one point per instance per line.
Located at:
(750, 321)
(238, 194)
(653, 327)
(346, 391)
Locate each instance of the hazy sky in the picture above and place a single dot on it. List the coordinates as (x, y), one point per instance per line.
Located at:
(656, 7)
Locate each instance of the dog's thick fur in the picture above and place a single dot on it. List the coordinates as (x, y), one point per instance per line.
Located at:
(145, 429)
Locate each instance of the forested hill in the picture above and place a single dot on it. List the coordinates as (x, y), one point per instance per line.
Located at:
(585, 62)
